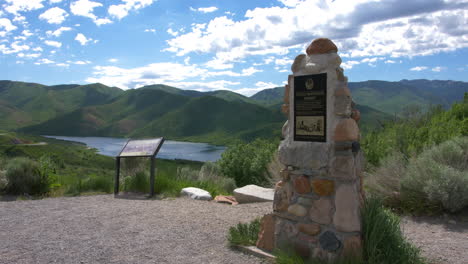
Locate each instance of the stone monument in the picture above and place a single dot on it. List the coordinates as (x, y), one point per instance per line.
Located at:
(316, 208)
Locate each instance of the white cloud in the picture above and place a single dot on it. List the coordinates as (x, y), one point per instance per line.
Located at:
(112, 60)
(396, 28)
(419, 68)
(120, 11)
(82, 39)
(15, 6)
(102, 21)
(438, 69)
(218, 64)
(62, 64)
(53, 43)
(37, 49)
(79, 62)
(187, 61)
(349, 64)
(58, 32)
(152, 30)
(86, 8)
(390, 62)
(204, 9)
(283, 62)
(44, 61)
(15, 47)
(250, 71)
(55, 1)
(265, 85)
(54, 15)
(172, 32)
(166, 72)
(6, 24)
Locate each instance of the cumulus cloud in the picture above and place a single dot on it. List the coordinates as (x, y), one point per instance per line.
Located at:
(419, 68)
(58, 32)
(15, 47)
(82, 39)
(152, 30)
(112, 60)
(15, 6)
(120, 11)
(54, 15)
(6, 24)
(44, 61)
(395, 28)
(53, 43)
(204, 9)
(86, 8)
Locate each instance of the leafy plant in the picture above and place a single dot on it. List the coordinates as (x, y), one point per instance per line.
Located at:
(244, 234)
(247, 163)
(24, 176)
(438, 178)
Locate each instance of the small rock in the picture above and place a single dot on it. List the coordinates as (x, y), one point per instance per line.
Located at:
(196, 193)
(310, 229)
(297, 210)
(329, 242)
(253, 194)
(226, 199)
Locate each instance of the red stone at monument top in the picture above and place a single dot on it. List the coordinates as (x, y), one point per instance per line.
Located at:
(321, 46)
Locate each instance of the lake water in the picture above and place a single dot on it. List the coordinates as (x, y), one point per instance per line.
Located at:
(170, 149)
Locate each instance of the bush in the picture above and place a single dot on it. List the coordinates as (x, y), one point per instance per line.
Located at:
(137, 183)
(24, 176)
(438, 178)
(246, 163)
(383, 182)
(244, 234)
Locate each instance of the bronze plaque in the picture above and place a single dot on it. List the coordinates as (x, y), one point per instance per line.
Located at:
(141, 148)
(310, 108)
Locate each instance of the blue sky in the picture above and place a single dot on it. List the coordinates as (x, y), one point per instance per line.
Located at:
(242, 45)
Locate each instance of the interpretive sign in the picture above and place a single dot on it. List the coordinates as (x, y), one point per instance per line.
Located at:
(310, 107)
(138, 148)
(141, 148)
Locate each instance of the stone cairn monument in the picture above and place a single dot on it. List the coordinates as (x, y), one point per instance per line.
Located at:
(316, 208)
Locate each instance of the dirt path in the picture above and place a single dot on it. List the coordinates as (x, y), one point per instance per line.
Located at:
(101, 229)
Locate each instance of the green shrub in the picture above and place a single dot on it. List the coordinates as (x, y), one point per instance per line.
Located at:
(438, 178)
(383, 182)
(383, 241)
(97, 183)
(24, 176)
(137, 183)
(247, 163)
(244, 234)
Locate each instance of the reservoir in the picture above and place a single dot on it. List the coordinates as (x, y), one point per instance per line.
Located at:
(170, 149)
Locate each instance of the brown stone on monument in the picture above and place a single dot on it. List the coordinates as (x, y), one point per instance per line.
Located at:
(347, 130)
(321, 46)
(323, 187)
(285, 109)
(343, 92)
(286, 94)
(302, 185)
(298, 61)
(266, 236)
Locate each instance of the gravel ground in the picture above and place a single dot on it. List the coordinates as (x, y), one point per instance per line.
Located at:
(101, 229)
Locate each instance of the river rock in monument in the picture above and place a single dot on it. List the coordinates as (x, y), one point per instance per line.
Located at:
(196, 193)
(253, 194)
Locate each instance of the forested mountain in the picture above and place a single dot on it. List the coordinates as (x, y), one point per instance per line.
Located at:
(216, 117)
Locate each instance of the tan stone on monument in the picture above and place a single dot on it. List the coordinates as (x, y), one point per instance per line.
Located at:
(266, 238)
(347, 213)
(321, 211)
(346, 130)
(321, 46)
(309, 229)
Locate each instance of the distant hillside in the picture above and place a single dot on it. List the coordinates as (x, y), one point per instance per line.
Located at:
(23, 104)
(154, 112)
(269, 96)
(390, 97)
